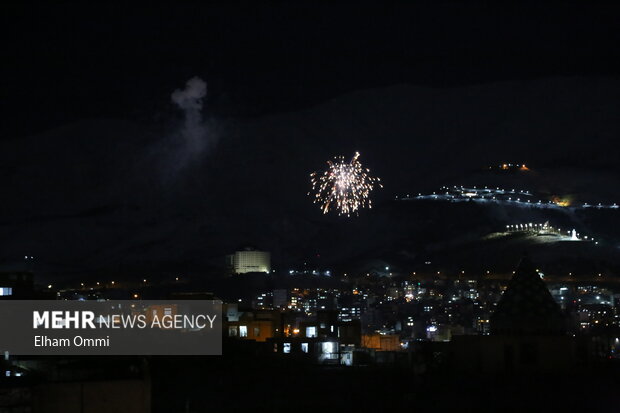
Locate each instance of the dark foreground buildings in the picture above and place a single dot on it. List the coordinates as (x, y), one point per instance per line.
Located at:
(528, 333)
(273, 361)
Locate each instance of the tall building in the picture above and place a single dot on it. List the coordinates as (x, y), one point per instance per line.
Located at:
(527, 333)
(250, 260)
(527, 307)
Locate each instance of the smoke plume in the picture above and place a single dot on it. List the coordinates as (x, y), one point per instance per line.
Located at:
(194, 130)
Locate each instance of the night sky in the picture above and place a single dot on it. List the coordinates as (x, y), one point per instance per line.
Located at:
(123, 61)
(95, 175)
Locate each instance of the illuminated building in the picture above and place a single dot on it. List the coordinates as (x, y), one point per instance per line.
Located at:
(259, 325)
(250, 260)
(381, 342)
(323, 340)
(16, 285)
(349, 313)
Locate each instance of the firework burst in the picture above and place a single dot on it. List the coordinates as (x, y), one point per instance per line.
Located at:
(344, 186)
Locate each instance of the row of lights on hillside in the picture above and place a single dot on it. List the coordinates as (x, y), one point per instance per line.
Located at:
(135, 295)
(98, 284)
(462, 272)
(488, 272)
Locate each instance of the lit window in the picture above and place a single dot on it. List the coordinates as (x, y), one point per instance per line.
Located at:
(311, 331)
(286, 347)
(304, 347)
(243, 331)
(232, 331)
(256, 331)
(328, 347)
(6, 291)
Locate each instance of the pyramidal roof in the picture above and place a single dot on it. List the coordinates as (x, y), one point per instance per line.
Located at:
(527, 307)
